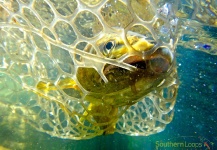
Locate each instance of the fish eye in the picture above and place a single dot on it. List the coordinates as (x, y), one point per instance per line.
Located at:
(108, 47)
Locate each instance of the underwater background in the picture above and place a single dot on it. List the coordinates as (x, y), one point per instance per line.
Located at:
(193, 126)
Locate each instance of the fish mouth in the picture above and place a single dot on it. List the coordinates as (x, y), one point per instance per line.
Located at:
(157, 63)
(150, 72)
(136, 61)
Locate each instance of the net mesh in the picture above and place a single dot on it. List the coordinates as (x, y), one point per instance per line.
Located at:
(44, 43)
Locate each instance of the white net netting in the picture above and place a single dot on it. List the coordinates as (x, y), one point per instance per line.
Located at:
(58, 75)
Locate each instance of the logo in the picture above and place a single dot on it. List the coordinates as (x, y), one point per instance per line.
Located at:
(185, 143)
